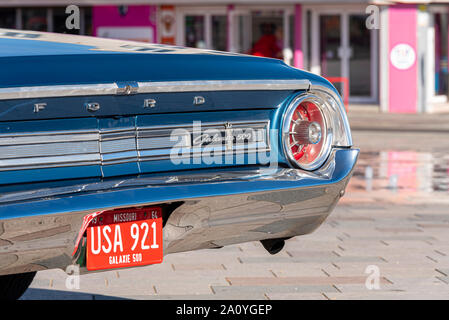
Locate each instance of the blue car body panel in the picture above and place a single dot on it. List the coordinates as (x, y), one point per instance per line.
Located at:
(61, 160)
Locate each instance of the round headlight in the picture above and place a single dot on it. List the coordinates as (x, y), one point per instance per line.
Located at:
(305, 133)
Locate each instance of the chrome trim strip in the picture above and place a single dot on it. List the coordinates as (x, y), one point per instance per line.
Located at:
(143, 158)
(58, 91)
(45, 162)
(253, 123)
(320, 89)
(49, 133)
(48, 150)
(17, 140)
(206, 124)
(151, 87)
(223, 85)
(54, 165)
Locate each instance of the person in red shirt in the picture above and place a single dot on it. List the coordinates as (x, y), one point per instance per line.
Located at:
(267, 45)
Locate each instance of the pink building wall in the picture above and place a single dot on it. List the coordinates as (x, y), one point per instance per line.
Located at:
(402, 29)
(139, 17)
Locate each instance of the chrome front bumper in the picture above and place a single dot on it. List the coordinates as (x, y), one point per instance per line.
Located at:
(38, 229)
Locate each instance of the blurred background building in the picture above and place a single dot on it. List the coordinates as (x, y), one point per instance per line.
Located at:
(389, 56)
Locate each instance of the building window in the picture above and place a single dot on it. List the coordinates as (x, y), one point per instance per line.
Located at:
(34, 19)
(441, 45)
(219, 32)
(45, 19)
(330, 43)
(308, 48)
(291, 40)
(8, 18)
(194, 34)
(268, 33)
(86, 21)
(360, 56)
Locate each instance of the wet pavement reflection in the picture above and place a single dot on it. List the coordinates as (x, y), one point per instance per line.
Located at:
(396, 172)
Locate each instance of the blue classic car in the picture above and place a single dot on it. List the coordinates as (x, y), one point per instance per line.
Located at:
(114, 153)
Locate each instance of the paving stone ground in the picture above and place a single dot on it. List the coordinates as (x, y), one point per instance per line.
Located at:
(392, 223)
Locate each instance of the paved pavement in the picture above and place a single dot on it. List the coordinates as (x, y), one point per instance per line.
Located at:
(391, 226)
(373, 121)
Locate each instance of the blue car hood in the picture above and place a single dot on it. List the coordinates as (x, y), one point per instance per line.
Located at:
(36, 58)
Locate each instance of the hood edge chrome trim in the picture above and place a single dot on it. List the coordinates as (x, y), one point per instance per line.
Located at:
(151, 87)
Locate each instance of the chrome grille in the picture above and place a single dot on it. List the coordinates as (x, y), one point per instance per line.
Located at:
(116, 146)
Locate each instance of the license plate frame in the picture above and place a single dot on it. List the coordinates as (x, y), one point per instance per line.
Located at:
(124, 238)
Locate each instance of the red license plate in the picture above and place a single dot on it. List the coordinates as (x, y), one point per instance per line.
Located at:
(125, 238)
